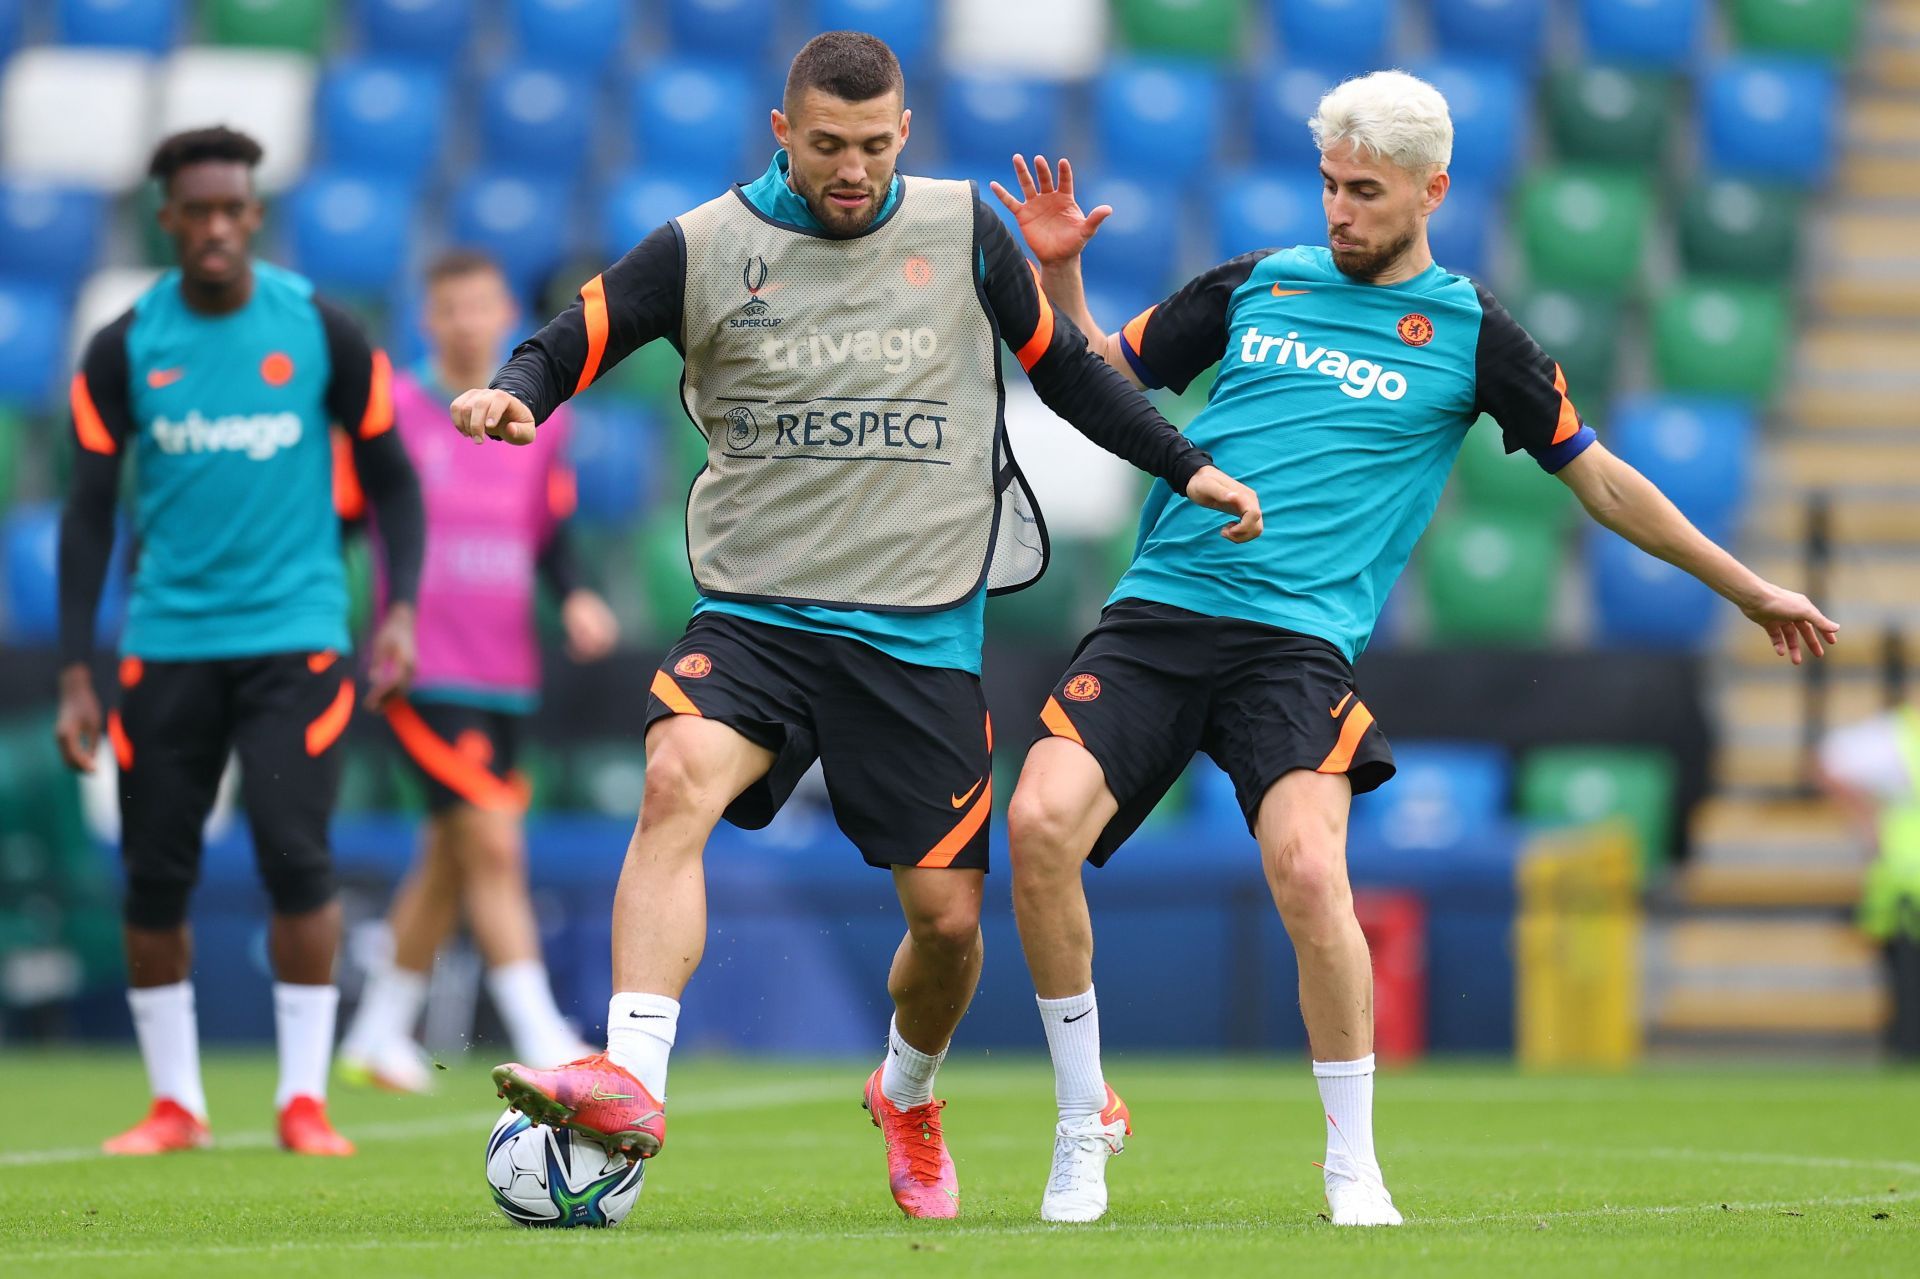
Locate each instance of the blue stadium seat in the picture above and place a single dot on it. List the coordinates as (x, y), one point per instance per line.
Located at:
(1460, 231)
(10, 11)
(31, 535)
(1643, 602)
(1284, 99)
(1343, 37)
(33, 340)
(582, 35)
(1643, 33)
(612, 450)
(636, 204)
(1770, 117)
(908, 26)
(1698, 451)
(1113, 303)
(1509, 31)
(739, 31)
(1136, 246)
(692, 118)
(1442, 793)
(1488, 103)
(536, 121)
(429, 31)
(382, 115)
(522, 223)
(151, 26)
(349, 232)
(1266, 209)
(1158, 118)
(987, 119)
(48, 233)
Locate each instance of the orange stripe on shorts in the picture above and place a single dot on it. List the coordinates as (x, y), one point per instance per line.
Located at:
(943, 853)
(1057, 722)
(122, 744)
(670, 695)
(326, 730)
(446, 764)
(1340, 758)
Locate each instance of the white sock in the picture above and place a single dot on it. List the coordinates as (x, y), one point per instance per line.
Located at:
(1073, 1039)
(524, 998)
(1346, 1095)
(303, 1022)
(907, 1078)
(389, 1007)
(169, 1037)
(640, 1030)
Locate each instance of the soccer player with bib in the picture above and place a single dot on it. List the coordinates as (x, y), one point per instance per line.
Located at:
(1349, 375)
(840, 325)
(222, 384)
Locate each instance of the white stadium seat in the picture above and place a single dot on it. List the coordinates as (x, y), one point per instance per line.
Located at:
(262, 92)
(1084, 491)
(102, 298)
(77, 116)
(1052, 40)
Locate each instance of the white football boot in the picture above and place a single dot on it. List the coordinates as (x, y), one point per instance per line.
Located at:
(399, 1065)
(1359, 1198)
(1077, 1186)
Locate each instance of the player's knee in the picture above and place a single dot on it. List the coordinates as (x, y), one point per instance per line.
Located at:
(157, 902)
(298, 882)
(952, 929)
(1044, 833)
(1309, 880)
(494, 854)
(678, 785)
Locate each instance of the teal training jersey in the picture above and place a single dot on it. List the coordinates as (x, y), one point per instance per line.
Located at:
(239, 541)
(1343, 404)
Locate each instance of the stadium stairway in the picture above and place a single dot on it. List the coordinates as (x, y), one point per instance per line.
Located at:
(1755, 944)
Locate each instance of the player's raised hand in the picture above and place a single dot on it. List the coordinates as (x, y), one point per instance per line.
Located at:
(77, 727)
(391, 659)
(1792, 622)
(484, 412)
(1214, 489)
(1054, 225)
(591, 628)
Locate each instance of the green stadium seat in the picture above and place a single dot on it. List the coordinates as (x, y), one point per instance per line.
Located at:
(1732, 228)
(1489, 579)
(1585, 227)
(358, 558)
(606, 778)
(1609, 115)
(1201, 28)
(1064, 603)
(1814, 28)
(545, 772)
(267, 24)
(652, 373)
(1581, 331)
(1494, 482)
(1592, 783)
(13, 442)
(1721, 338)
(666, 582)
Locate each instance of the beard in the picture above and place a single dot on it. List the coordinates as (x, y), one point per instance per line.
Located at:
(839, 222)
(1370, 264)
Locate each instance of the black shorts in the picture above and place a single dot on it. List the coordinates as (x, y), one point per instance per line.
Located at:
(1152, 684)
(177, 723)
(907, 750)
(464, 754)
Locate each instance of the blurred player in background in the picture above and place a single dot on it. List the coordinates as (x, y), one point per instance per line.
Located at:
(496, 522)
(840, 324)
(221, 384)
(1348, 378)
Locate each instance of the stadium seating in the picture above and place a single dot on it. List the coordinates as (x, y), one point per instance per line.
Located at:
(300, 25)
(433, 32)
(1643, 33)
(986, 119)
(1820, 28)
(583, 36)
(349, 232)
(1284, 99)
(733, 30)
(1489, 579)
(1491, 480)
(1460, 232)
(1769, 117)
(1581, 331)
(1582, 784)
(79, 116)
(1442, 792)
(1509, 31)
(686, 121)
(636, 204)
(1342, 37)
(1585, 229)
(1489, 110)
(1698, 451)
(1199, 28)
(1642, 602)
(10, 16)
(271, 90)
(909, 27)
(1158, 118)
(1720, 338)
(30, 534)
(612, 451)
(33, 335)
(1262, 210)
(1729, 227)
(652, 374)
(150, 26)
(1135, 247)
(13, 443)
(48, 233)
(538, 122)
(666, 582)
(1609, 115)
(513, 219)
(382, 115)
(1061, 40)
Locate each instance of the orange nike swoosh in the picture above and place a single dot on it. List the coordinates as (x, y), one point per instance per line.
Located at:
(157, 378)
(1335, 712)
(960, 801)
(1288, 293)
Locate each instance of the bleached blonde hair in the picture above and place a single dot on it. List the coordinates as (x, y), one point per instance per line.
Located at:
(1387, 115)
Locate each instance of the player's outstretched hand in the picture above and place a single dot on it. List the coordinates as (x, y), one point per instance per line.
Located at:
(391, 660)
(1792, 622)
(1214, 489)
(484, 412)
(77, 727)
(591, 628)
(1055, 227)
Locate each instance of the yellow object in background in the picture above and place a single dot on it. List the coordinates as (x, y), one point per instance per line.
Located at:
(1578, 939)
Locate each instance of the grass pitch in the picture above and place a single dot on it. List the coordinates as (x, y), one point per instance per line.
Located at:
(772, 1169)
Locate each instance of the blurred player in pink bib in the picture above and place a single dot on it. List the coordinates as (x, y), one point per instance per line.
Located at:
(496, 522)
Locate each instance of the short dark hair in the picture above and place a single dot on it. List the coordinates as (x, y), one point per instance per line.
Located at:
(454, 263)
(194, 146)
(851, 65)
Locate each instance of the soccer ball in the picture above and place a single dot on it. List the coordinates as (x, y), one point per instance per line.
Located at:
(551, 1177)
